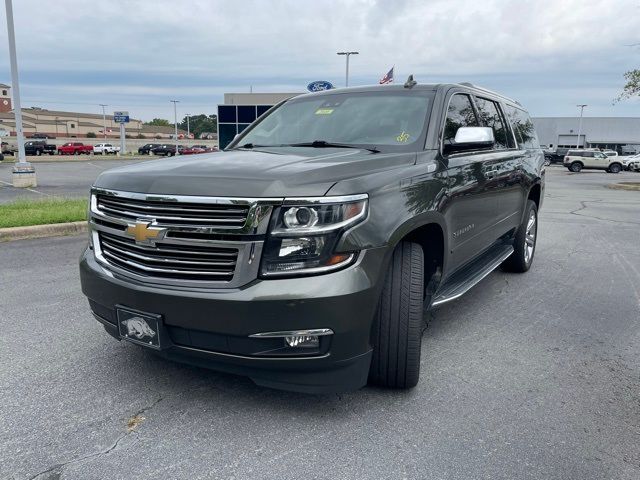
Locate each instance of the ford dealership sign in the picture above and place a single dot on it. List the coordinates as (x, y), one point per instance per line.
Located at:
(319, 85)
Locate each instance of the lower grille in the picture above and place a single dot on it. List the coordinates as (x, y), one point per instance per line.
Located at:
(180, 262)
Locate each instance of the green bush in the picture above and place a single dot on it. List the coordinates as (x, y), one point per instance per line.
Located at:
(91, 135)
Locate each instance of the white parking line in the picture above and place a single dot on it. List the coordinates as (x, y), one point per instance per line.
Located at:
(30, 189)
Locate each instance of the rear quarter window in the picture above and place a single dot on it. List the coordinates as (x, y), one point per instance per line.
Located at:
(523, 128)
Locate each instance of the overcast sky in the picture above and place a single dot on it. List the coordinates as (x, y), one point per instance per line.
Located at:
(136, 55)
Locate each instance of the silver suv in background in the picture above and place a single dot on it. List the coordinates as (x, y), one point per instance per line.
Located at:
(576, 160)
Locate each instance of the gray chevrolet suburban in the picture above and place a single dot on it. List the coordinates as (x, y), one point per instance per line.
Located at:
(305, 255)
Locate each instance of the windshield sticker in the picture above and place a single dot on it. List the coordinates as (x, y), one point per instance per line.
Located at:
(403, 137)
(324, 111)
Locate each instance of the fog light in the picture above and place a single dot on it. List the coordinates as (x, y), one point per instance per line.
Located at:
(303, 341)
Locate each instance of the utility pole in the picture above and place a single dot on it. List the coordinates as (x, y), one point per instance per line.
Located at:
(24, 175)
(347, 54)
(580, 124)
(188, 129)
(175, 122)
(104, 121)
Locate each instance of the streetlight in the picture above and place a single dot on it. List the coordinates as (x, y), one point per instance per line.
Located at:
(188, 130)
(57, 126)
(347, 54)
(24, 175)
(582, 105)
(175, 122)
(104, 121)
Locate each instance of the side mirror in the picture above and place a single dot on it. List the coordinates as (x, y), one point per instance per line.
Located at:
(471, 138)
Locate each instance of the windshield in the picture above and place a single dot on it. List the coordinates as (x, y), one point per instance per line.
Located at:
(390, 118)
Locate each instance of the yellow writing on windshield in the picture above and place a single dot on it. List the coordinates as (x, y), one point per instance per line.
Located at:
(403, 137)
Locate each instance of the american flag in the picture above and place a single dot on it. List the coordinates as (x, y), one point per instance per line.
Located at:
(388, 78)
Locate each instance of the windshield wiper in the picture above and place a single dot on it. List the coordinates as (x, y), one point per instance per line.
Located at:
(325, 144)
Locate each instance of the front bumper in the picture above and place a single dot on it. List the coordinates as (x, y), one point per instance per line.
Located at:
(210, 328)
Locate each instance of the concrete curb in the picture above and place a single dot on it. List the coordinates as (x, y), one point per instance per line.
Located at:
(625, 186)
(40, 231)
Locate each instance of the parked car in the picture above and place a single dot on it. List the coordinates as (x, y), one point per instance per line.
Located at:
(610, 153)
(7, 149)
(194, 149)
(105, 148)
(306, 260)
(147, 149)
(629, 159)
(168, 150)
(75, 148)
(42, 135)
(576, 160)
(39, 147)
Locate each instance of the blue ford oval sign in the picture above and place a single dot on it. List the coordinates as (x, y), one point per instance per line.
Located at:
(319, 85)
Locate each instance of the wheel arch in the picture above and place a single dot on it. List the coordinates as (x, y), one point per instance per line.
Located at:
(430, 234)
(535, 194)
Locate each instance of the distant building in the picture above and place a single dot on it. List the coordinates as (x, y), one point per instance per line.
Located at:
(5, 98)
(55, 123)
(616, 133)
(240, 109)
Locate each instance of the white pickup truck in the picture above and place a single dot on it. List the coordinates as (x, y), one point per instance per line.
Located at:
(105, 148)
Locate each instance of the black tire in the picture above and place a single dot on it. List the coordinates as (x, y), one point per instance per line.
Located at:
(397, 330)
(575, 167)
(519, 261)
(615, 168)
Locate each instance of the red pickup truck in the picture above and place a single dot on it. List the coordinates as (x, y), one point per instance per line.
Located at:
(75, 148)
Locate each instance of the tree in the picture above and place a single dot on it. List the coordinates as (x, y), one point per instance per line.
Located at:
(158, 122)
(632, 87)
(199, 124)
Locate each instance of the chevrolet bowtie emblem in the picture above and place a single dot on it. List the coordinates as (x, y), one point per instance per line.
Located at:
(143, 233)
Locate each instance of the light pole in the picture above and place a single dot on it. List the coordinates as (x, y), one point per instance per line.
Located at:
(188, 129)
(104, 121)
(347, 54)
(175, 122)
(24, 175)
(56, 126)
(582, 105)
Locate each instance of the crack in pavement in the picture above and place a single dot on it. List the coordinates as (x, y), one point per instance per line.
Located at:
(584, 207)
(55, 472)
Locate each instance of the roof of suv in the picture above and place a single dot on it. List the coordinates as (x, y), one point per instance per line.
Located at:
(418, 86)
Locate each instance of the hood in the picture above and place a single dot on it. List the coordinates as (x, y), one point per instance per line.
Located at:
(251, 173)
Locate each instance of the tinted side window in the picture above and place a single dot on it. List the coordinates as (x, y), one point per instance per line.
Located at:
(523, 128)
(459, 114)
(490, 117)
(588, 154)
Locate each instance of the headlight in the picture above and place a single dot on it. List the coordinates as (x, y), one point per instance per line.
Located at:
(304, 234)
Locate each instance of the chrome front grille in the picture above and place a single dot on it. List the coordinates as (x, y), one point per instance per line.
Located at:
(186, 241)
(200, 263)
(222, 215)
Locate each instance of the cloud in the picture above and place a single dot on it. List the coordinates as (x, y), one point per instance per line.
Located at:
(141, 53)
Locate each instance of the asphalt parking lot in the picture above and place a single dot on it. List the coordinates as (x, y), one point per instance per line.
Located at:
(533, 376)
(68, 179)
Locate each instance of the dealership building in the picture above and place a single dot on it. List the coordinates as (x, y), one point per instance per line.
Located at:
(616, 133)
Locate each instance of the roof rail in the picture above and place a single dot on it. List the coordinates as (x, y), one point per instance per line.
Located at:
(471, 85)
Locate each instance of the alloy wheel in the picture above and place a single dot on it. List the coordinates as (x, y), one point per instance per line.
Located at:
(530, 237)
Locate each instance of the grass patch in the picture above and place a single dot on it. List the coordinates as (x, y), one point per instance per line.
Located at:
(25, 212)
